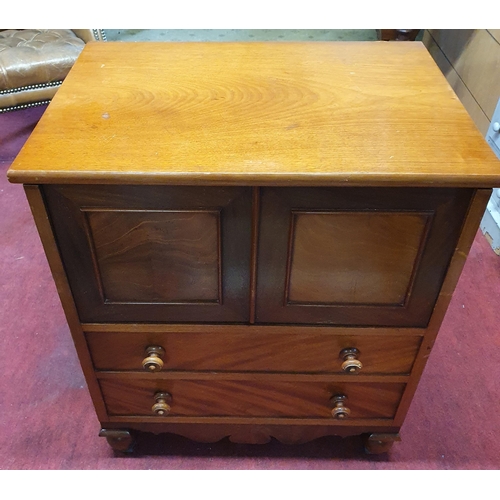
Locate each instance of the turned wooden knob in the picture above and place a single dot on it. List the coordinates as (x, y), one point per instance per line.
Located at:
(339, 410)
(351, 364)
(162, 404)
(153, 361)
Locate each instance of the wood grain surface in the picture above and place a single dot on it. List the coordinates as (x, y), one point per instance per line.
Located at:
(353, 257)
(374, 257)
(250, 398)
(349, 113)
(157, 256)
(155, 253)
(253, 350)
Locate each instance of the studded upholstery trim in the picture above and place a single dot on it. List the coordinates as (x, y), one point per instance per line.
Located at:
(24, 106)
(31, 87)
(100, 34)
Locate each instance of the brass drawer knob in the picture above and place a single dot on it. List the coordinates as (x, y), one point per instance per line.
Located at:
(153, 361)
(350, 363)
(339, 410)
(162, 404)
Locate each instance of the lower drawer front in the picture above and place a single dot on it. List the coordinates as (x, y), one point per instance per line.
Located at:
(254, 349)
(250, 398)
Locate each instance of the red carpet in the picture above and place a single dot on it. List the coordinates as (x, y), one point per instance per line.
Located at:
(47, 420)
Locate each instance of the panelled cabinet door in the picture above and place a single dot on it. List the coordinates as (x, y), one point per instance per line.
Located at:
(354, 256)
(155, 253)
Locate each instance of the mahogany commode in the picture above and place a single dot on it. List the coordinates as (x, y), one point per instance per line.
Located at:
(255, 240)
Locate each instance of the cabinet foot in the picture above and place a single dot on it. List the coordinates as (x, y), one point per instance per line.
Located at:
(121, 440)
(379, 443)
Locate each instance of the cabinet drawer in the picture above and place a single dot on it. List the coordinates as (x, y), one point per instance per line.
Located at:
(249, 398)
(310, 350)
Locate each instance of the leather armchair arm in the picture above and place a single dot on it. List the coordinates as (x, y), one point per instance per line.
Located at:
(33, 63)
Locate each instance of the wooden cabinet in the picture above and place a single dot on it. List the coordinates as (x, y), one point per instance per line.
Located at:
(255, 304)
(255, 240)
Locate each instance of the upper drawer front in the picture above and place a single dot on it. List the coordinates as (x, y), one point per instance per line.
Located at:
(249, 398)
(355, 256)
(247, 349)
(155, 253)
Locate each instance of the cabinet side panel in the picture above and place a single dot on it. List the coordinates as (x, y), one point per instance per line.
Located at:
(469, 230)
(43, 224)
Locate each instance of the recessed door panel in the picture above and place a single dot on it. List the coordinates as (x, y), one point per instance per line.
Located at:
(155, 253)
(156, 256)
(355, 256)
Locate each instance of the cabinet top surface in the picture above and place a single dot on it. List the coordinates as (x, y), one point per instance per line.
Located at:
(334, 113)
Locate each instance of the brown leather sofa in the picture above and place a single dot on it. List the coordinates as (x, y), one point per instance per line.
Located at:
(33, 63)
